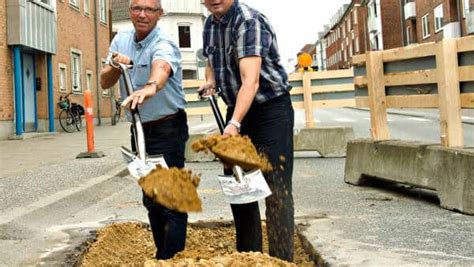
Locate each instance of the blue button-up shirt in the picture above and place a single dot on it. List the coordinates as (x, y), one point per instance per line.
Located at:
(155, 46)
(243, 32)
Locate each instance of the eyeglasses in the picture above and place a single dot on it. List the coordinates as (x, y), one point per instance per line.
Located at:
(148, 10)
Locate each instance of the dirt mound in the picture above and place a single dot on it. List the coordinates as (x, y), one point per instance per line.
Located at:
(173, 188)
(234, 150)
(207, 244)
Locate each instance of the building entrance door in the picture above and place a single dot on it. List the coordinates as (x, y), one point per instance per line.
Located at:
(29, 93)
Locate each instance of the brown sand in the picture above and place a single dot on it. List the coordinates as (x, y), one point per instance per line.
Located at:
(173, 188)
(234, 150)
(207, 244)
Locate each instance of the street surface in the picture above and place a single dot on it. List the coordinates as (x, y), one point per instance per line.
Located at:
(50, 201)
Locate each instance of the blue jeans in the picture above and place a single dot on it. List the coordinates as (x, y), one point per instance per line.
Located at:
(270, 127)
(168, 226)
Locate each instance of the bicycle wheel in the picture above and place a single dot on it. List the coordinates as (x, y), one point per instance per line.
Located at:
(66, 120)
(78, 120)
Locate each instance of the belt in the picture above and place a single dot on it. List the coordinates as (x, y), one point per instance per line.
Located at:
(165, 118)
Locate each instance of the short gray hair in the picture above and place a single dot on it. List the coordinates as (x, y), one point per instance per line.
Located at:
(158, 2)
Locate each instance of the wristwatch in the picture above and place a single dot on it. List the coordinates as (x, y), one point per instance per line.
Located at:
(235, 123)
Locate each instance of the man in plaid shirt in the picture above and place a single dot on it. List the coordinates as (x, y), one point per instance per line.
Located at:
(243, 61)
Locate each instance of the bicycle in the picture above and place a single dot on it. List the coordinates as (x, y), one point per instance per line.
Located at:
(118, 111)
(70, 115)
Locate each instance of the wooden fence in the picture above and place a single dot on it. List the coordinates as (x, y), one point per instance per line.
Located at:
(310, 90)
(429, 75)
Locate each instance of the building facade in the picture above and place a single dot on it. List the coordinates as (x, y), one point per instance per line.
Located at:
(345, 36)
(434, 20)
(183, 22)
(48, 49)
(384, 24)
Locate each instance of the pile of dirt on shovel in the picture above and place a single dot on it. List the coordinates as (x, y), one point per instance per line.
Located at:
(207, 244)
(233, 150)
(173, 188)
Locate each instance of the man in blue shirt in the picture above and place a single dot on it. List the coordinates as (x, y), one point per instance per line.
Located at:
(157, 78)
(243, 61)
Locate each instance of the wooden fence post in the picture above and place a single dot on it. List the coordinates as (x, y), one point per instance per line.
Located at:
(377, 98)
(449, 93)
(308, 100)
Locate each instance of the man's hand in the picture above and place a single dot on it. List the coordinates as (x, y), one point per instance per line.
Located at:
(230, 130)
(119, 58)
(139, 96)
(207, 89)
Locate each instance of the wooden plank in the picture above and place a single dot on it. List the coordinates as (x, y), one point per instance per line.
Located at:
(466, 73)
(449, 94)
(339, 103)
(358, 60)
(334, 88)
(465, 44)
(193, 83)
(416, 101)
(308, 99)
(296, 91)
(377, 99)
(362, 101)
(467, 100)
(295, 76)
(360, 81)
(331, 74)
(413, 51)
(412, 101)
(410, 78)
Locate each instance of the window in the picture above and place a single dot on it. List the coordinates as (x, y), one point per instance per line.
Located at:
(184, 36)
(103, 11)
(62, 78)
(408, 32)
(74, 3)
(76, 71)
(87, 7)
(425, 29)
(355, 16)
(466, 8)
(375, 9)
(356, 45)
(89, 80)
(438, 18)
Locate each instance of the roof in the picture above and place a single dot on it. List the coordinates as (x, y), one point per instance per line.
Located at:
(120, 10)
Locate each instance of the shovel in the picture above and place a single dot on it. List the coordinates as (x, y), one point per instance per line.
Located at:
(139, 164)
(241, 187)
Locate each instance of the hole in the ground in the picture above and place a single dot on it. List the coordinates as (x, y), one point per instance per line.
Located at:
(207, 244)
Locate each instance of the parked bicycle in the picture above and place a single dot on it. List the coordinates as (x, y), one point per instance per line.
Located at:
(118, 111)
(70, 116)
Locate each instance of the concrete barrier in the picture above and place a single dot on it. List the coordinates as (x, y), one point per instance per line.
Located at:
(328, 141)
(449, 171)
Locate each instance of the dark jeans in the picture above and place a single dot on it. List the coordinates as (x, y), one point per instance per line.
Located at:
(168, 226)
(270, 127)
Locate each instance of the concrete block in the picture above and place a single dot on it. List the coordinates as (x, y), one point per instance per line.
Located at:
(192, 156)
(328, 141)
(448, 171)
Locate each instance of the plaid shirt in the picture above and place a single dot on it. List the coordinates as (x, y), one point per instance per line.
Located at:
(243, 32)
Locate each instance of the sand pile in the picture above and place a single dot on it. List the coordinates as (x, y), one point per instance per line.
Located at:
(173, 188)
(234, 150)
(207, 244)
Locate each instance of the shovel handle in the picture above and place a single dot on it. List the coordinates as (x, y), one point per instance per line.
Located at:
(137, 125)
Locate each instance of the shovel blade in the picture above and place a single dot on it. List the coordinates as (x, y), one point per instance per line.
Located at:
(253, 187)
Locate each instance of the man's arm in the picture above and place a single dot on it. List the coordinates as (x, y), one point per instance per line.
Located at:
(109, 75)
(250, 74)
(160, 72)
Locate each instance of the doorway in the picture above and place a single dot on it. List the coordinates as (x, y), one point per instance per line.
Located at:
(29, 93)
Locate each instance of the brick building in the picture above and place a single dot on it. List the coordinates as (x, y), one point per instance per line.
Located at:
(345, 36)
(434, 20)
(50, 48)
(384, 24)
